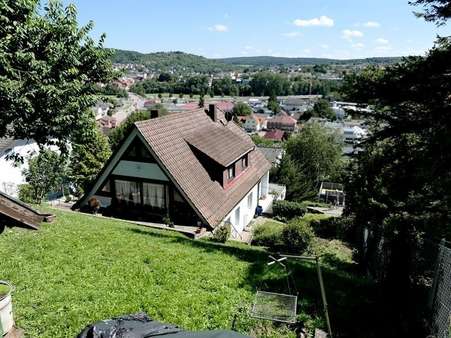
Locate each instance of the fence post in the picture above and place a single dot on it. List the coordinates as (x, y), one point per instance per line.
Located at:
(436, 270)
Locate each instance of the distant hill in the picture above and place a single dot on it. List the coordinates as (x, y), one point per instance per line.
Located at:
(170, 61)
(184, 62)
(266, 61)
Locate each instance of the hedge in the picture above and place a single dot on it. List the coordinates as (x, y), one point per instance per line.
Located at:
(287, 210)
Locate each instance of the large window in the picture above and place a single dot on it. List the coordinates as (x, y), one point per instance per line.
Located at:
(140, 194)
(128, 192)
(154, 195)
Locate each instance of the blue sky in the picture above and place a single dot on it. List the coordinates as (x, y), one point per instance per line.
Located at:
(223, 28)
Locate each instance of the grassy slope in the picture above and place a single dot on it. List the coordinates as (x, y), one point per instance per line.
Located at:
(81, 269)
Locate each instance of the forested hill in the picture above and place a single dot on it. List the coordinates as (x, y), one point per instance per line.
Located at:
(183, 62)
(170, 61)
(266, 61)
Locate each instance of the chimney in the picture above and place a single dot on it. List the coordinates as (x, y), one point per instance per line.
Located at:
(153, 114)
(212, 112)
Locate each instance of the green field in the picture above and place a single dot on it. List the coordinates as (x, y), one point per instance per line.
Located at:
(81, 269)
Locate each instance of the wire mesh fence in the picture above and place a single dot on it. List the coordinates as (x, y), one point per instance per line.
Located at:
(441, 293)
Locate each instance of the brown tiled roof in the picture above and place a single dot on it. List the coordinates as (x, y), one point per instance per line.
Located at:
(275, 134)
(283, 119)
(219, 143)
(167, 138)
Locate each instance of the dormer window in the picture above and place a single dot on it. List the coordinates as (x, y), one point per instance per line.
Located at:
(231, 172)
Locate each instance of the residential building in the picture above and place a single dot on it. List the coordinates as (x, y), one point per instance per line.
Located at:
(254, 123)
(275, 135)
(194, 167)
(11, 173)
(283, 122)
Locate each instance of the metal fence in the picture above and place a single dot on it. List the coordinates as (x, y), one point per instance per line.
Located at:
(440, 300)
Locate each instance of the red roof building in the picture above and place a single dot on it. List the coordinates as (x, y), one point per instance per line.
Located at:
(275, 135)
(283, 122)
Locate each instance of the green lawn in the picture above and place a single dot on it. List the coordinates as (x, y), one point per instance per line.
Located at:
(81, 269)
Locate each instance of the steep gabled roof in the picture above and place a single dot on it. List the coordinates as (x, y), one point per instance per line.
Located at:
(167, 138)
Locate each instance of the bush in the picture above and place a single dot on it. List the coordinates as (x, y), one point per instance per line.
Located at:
(287, 210)
(26, 193)
(333, 228)
(297, 236)
(222, 233)
(268, 234)
(294, 237)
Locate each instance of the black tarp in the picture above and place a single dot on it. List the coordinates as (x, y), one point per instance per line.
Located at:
(140, 325)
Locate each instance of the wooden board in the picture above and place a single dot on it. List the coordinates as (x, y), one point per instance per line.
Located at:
(16, 213)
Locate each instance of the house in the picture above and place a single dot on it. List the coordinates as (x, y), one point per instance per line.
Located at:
(283, 122)
(254, 123)
(11, 174)
(275, 135)
(194, 167)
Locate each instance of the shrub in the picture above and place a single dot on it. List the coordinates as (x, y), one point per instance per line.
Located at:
(332, 228)
(268, 234)
(286, 210)
(222, 233)
(297, 236)
(26, 193)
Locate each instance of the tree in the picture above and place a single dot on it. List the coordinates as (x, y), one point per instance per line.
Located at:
(242, 109)
(311, 157)
(165, 77)
(437, 11)
(398, 190)
(119, 133)
(273, 104)
(322, 108)
(87, 158)
(45, 173)
(268, 84)
(201, 101)
(49, 70)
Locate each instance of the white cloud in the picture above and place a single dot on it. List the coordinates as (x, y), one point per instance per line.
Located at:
(351, 34)
(372, 24)
(323, 21)
(307, 51)
(292, 34)
(382, 41)
(358, 45)
(219, 28)
(324, 46)
(249, 47)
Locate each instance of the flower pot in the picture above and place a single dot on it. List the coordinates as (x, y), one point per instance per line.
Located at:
(6, 309)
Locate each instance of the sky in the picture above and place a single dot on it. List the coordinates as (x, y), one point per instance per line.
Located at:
(292, 28)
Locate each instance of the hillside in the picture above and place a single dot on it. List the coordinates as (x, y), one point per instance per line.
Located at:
(84, 268)
(265, 61)
(170, 61)
(180, 61)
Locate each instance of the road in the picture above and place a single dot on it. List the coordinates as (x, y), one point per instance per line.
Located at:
(132, 104)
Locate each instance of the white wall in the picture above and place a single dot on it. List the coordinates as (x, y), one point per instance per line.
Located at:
(10, 174)
(247, 211)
